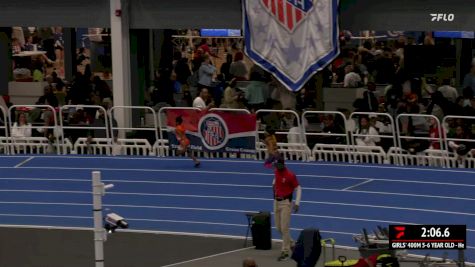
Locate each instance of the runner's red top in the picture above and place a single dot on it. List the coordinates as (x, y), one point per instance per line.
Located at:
(181, 136)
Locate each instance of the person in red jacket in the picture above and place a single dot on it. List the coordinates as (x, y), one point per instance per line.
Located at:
(184, 142)
(284, 184)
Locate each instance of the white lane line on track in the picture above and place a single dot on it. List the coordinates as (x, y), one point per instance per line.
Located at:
(23, 162)
(251, 173)
(409, 168)
(209, 184)
(234, 210)
(45, 216)
(208, 257)
(356, 185)
(154, 231)
(231, 185)
(185, 221)
(45, 191)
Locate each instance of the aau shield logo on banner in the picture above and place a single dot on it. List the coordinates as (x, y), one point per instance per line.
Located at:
(214, 131)
(292, 39)
(288, 13)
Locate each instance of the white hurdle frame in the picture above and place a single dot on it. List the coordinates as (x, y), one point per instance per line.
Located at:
(61, 119)
(141, 128)
(299, 125)
(54, 127)
(400, 136)
(5, 138)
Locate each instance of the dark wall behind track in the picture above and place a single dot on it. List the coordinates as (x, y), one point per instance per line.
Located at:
(411, 15)
(45, 13)
(184, 14)
(175, 14)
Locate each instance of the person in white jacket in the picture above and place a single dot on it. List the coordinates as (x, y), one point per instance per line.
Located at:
(21, 128)
(366, 135)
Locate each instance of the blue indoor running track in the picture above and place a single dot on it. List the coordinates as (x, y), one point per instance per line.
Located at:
(169, 194)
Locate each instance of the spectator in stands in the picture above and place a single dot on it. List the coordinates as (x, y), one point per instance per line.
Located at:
(352, 79)
(48, 98)
(264, 75)
(370, 102)
(80, 117)
(204, 46)
(29, 46)
(238, 68)
(467, 95)
(448, 91)
(217, 90)
(385, 68)
(59, 45)
(99, 130)
(393, 95)
(460, 147)
(440, 106)
(350, 123)
(472, 113)
(434, 134)
(81, 56)
(21, 128)
(294, 134)
(225, 67)
(181, 68)
(366, 134)
(50, 130)
(206, 73)
(286, 98)
(414, 126)
(361, 69)
(16, 46)
(232, 98)
(382, 123)
(469, 80)
(286, 120)
(101, 88)
(164, 88)
(256, 93)
(307, 96)
(433, 107)
(201, 100)
(331, 127)
(80, 90)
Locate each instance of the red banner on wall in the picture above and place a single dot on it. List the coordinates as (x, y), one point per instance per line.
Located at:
(217, 131)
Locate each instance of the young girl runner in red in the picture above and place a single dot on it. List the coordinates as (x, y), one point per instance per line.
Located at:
(184, 142)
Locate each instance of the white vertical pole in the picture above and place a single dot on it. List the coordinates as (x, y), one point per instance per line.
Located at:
(99, 232)
(121, 82)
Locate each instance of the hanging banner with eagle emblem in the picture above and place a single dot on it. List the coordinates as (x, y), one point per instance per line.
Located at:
(292, 39)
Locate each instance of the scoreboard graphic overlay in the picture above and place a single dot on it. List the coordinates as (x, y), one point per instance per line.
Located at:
(427, 236)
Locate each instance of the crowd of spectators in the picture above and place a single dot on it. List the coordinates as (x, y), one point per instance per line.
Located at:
(370, 65)
(236, 84)
(84, 89)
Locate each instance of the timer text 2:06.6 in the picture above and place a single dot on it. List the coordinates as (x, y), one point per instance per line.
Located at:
(435, 232)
